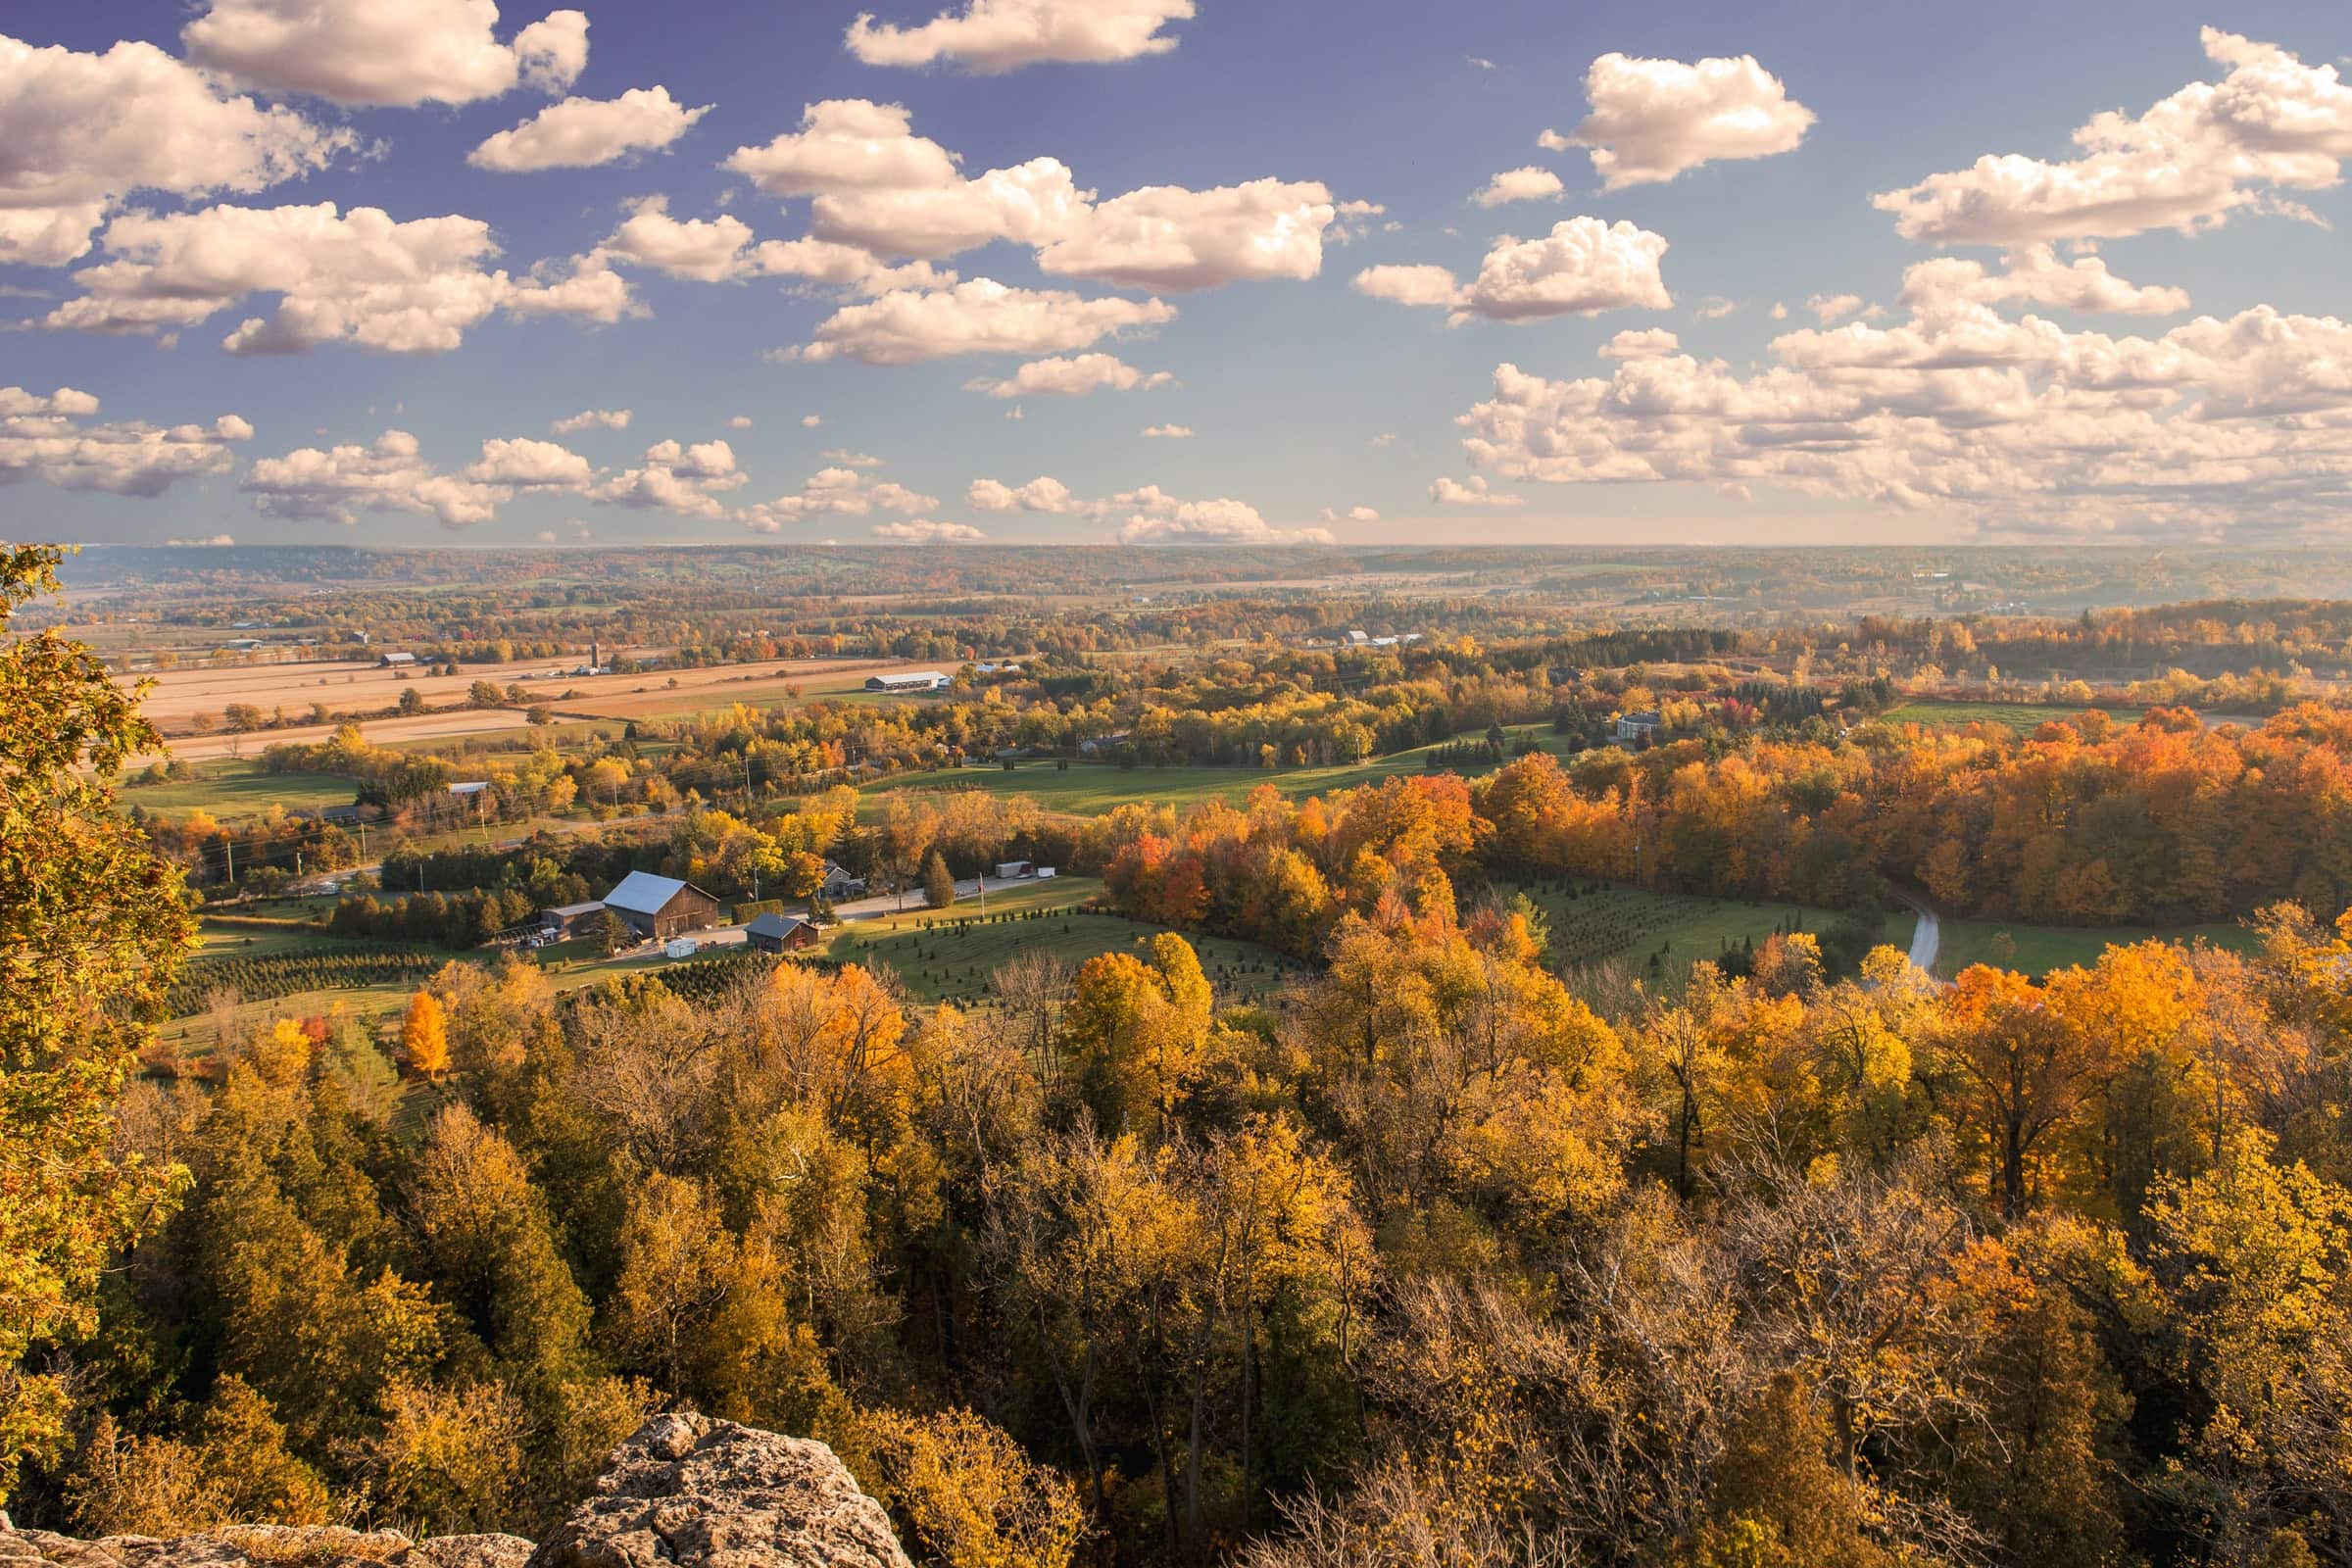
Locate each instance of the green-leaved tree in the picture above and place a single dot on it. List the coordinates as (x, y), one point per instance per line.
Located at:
(92, 928)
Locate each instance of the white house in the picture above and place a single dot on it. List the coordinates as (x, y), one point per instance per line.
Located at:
(1633, 726)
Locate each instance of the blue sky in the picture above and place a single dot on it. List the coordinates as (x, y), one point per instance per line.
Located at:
(1312, 400)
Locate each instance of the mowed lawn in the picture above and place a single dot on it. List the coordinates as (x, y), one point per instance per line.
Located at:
(2022, 717)
(232, 786)
(948, 955)
(1594, 924)
(1089, 789)
(2037, 950)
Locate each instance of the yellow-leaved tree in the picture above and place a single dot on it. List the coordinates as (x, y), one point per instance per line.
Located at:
(92, 927)
(425, 1034)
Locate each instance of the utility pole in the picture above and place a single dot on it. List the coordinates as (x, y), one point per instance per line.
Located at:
(229, 847)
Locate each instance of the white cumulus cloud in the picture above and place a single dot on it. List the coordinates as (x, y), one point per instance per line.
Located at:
(1528, 184)
(1168, 237)
(1170, 432)
(81, 132)
(979, 317)
(336, 484)
(2032, 274)
(360, 277)
(991, 36)
(584, 133)
(53, 438)
(1582, 267)
(1070, 377)
(877, 186)
(2207, 151)
(2215, 428)
(687, 479)
(1470, 492)
(837, 490)
(593, 419)
(1041, 494)
(1157, 517)
(386, 53)
(1652, 120)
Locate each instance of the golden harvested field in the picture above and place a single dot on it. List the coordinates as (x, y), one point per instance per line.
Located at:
(698, 691)
(179, 695)
(452, 722)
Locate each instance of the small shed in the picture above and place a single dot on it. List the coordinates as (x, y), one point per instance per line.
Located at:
(571, 919)
(779, 933)
(679, 948)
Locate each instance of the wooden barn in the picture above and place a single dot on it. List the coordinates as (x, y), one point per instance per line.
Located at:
(658, 907)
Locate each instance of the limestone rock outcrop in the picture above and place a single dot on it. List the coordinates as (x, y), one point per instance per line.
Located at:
(263, 1546)
(683, 1492)
(694, 1492)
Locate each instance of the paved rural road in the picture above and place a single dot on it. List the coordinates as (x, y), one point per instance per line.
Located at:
(867, 907)
(1928, 938)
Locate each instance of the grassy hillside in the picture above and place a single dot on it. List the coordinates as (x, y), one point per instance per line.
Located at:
(2018, 717)
(233, 787)
(1089, 789)
(1593, 924)
(2037, 950)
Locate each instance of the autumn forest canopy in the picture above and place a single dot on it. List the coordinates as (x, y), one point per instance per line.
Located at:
(1311, 1184)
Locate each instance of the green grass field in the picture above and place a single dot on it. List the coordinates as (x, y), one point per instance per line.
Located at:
(2037, 950)
(1089, 789)
(218, 939)
(1627, 925)
(231, 787)
(2018, 717)
(948, 954)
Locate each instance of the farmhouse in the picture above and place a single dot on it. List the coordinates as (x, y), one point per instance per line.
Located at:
(840, 882)
(908, 680)
(662, 907)
(779, 933)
